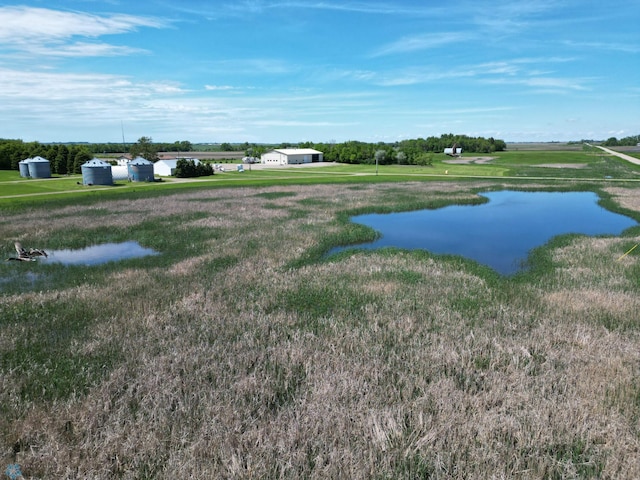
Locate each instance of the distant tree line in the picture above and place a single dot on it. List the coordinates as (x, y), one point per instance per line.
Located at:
(631, 141)
(102, 148)
(67, 158)
(418, 151)
(63, 158)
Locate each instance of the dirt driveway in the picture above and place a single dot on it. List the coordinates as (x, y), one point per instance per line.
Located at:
(626, 157)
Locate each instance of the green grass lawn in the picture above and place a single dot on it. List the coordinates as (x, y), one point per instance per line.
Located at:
(586, 164)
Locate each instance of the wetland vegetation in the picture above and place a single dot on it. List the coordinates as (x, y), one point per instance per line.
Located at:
(239, 352)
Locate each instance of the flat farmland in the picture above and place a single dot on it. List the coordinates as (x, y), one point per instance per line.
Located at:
(241, 351)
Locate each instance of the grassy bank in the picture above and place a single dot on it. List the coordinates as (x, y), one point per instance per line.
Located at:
(239, 353)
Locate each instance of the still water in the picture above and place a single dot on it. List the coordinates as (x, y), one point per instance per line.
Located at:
(499, 233)
(98, 254)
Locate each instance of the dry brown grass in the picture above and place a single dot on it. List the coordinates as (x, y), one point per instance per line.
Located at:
(374, 366)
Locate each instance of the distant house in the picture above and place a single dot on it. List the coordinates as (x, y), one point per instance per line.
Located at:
(291, 156)
(167, 168)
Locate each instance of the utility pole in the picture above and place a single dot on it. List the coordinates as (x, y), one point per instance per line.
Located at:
(124, 147)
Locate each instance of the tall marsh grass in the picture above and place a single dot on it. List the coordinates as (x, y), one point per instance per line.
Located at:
(240, 352)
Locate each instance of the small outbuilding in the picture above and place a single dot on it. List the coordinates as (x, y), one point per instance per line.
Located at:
(140, 170)
(96, 172)
(291, 156)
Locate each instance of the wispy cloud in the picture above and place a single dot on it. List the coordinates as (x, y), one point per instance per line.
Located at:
(255, 66)
(545, 84)
(631, 47)
(40, 31)
(84, 49)
(245, 7)
(532, 74)
(71, 101)
(20, 23)
(508, 16)
(427, 41)
(220, 88)
(377, 8)
(300, 123)
(75, 88)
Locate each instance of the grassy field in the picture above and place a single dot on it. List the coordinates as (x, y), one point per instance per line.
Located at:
(241, 352)
(525, 163)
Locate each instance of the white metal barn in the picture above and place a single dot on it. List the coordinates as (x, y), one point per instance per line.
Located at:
(291, 156)
(166, 168)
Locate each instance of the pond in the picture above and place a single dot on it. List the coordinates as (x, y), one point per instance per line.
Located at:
(98, 254)
(499, 233)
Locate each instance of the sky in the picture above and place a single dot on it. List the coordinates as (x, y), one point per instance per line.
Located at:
(318, 70)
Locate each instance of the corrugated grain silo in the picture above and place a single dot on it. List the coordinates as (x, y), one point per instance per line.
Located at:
(96, 172)
(39, 168)
(140, 170)
(24, 167)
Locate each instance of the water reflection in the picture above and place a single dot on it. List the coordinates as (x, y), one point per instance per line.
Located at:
(500, 233)
(98, 254)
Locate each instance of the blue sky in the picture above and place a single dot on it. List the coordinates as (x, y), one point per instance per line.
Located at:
(318, 70)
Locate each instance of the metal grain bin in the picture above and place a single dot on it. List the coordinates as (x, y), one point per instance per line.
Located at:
(24, 167)
(39, 168)
(140, 170)
(96, 172)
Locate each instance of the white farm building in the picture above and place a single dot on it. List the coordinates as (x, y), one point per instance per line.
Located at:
(166, 168)
(291, 156)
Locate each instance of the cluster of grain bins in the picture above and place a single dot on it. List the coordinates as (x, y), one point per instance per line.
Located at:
(99, 172)
(94, 172)
(36, 167)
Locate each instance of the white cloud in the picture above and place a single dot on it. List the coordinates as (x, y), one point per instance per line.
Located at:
(421, 42)
(82, 49)
(252, 7)
(69, 90)
(42, 31)
(545, 84)
(255, 66)
(27, 23)
(630, 47)
(219, 87)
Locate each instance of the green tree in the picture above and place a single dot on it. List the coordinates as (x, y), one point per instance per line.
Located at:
(60, 161)
(380, 156)
(82, 156)
(185, 168)
(425, 160)
(188, 168)
(145, 148)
